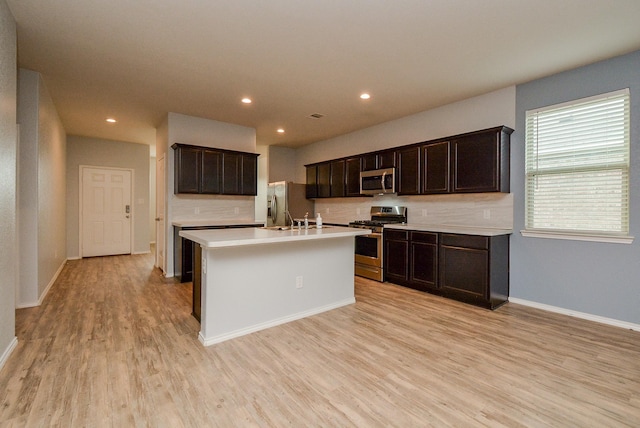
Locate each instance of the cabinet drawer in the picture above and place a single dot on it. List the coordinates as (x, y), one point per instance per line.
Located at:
(466, 241)
(399, 235)
(426, 237)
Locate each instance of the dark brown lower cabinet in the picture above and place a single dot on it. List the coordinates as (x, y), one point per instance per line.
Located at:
(475, 269)
(469, 268)
(396, 256)
(423, 264)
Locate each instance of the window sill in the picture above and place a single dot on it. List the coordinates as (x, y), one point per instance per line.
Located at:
(611, 239)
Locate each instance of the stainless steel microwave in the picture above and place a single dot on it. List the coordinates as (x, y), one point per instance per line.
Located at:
(378, 181)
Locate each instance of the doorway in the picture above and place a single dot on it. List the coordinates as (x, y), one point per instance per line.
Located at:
(105, 211)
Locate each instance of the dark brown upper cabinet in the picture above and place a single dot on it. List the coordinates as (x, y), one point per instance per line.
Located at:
(210, 176)
(480, 161)
(312, 181)
(205, 170)
(468, 163)
(353, 176)
(188, 169)
(324, 180)
(379, 160)
(408, 171)
(435, 172)
(338, 179)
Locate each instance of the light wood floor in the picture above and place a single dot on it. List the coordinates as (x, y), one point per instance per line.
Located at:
(114, 345)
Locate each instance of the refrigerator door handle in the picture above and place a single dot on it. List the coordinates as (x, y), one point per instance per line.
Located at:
(273, 207)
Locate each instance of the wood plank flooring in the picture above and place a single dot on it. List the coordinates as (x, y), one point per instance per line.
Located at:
(114, 345)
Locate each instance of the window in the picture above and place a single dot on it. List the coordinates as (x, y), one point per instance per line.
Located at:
(577, 167)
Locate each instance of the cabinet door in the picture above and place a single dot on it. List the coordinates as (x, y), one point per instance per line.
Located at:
(386, 159)
(353, 177)
(187, 173)
(436, 168)
(210, 172)
(369, 162)
(231, 173)
(249, 177)
(324, 180)
(408, 173)
(423, 272)
(475, 163)
(337, 179)
(312, 182)
(464, 272)
(396, 256)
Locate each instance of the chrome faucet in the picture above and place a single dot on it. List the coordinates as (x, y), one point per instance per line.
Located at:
(290, 218)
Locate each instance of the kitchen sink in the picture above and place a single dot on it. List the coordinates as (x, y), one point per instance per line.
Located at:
(311, 226)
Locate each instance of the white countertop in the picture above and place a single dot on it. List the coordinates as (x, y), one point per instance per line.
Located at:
(210, 222)
(218, 238)
(463, 230)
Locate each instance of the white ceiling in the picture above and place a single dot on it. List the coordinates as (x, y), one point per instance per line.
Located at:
(136, 60)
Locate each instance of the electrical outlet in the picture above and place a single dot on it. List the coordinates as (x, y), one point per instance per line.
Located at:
(236, 210)
(424, 213)
(299, 282)
(327, 211)
(197, 210)
(357, 211)
(486, 213)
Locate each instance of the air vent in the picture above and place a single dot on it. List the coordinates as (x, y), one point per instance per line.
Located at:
(316, 116)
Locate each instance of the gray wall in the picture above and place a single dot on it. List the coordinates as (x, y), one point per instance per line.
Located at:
(116, 154)
(8, 138)
(595, 278)
(41, 190)
(281, 161)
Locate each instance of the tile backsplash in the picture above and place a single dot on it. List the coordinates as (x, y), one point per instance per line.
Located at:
(491, 210)
(219, 207)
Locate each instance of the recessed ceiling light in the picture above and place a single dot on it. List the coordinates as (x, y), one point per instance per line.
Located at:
(111, 120)
(246, 100)
(280, 131)
(365, 96)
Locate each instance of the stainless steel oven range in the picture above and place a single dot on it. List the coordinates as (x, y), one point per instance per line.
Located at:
(369, 251)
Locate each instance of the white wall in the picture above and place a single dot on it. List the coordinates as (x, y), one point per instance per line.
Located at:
(179, 128)
(115, 154)
(8, 181)
(41, 190)
(485, 111)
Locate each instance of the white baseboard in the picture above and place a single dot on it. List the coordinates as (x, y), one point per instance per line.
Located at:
(208, 341)
(74, 258)
(7, 352)
(141, 252)
(576, 314)
(23, 305)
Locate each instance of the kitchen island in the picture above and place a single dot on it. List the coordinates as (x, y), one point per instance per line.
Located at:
(256, 278)
(183, 249)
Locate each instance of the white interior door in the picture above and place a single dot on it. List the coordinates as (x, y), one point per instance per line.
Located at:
(160, 213)
(106, 212)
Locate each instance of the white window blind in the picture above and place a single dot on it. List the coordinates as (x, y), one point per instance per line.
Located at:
(577, 166)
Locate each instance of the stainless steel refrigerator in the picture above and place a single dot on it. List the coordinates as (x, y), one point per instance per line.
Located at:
(283, 196)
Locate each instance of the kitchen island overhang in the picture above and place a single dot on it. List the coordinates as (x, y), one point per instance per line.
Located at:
(256, 278)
